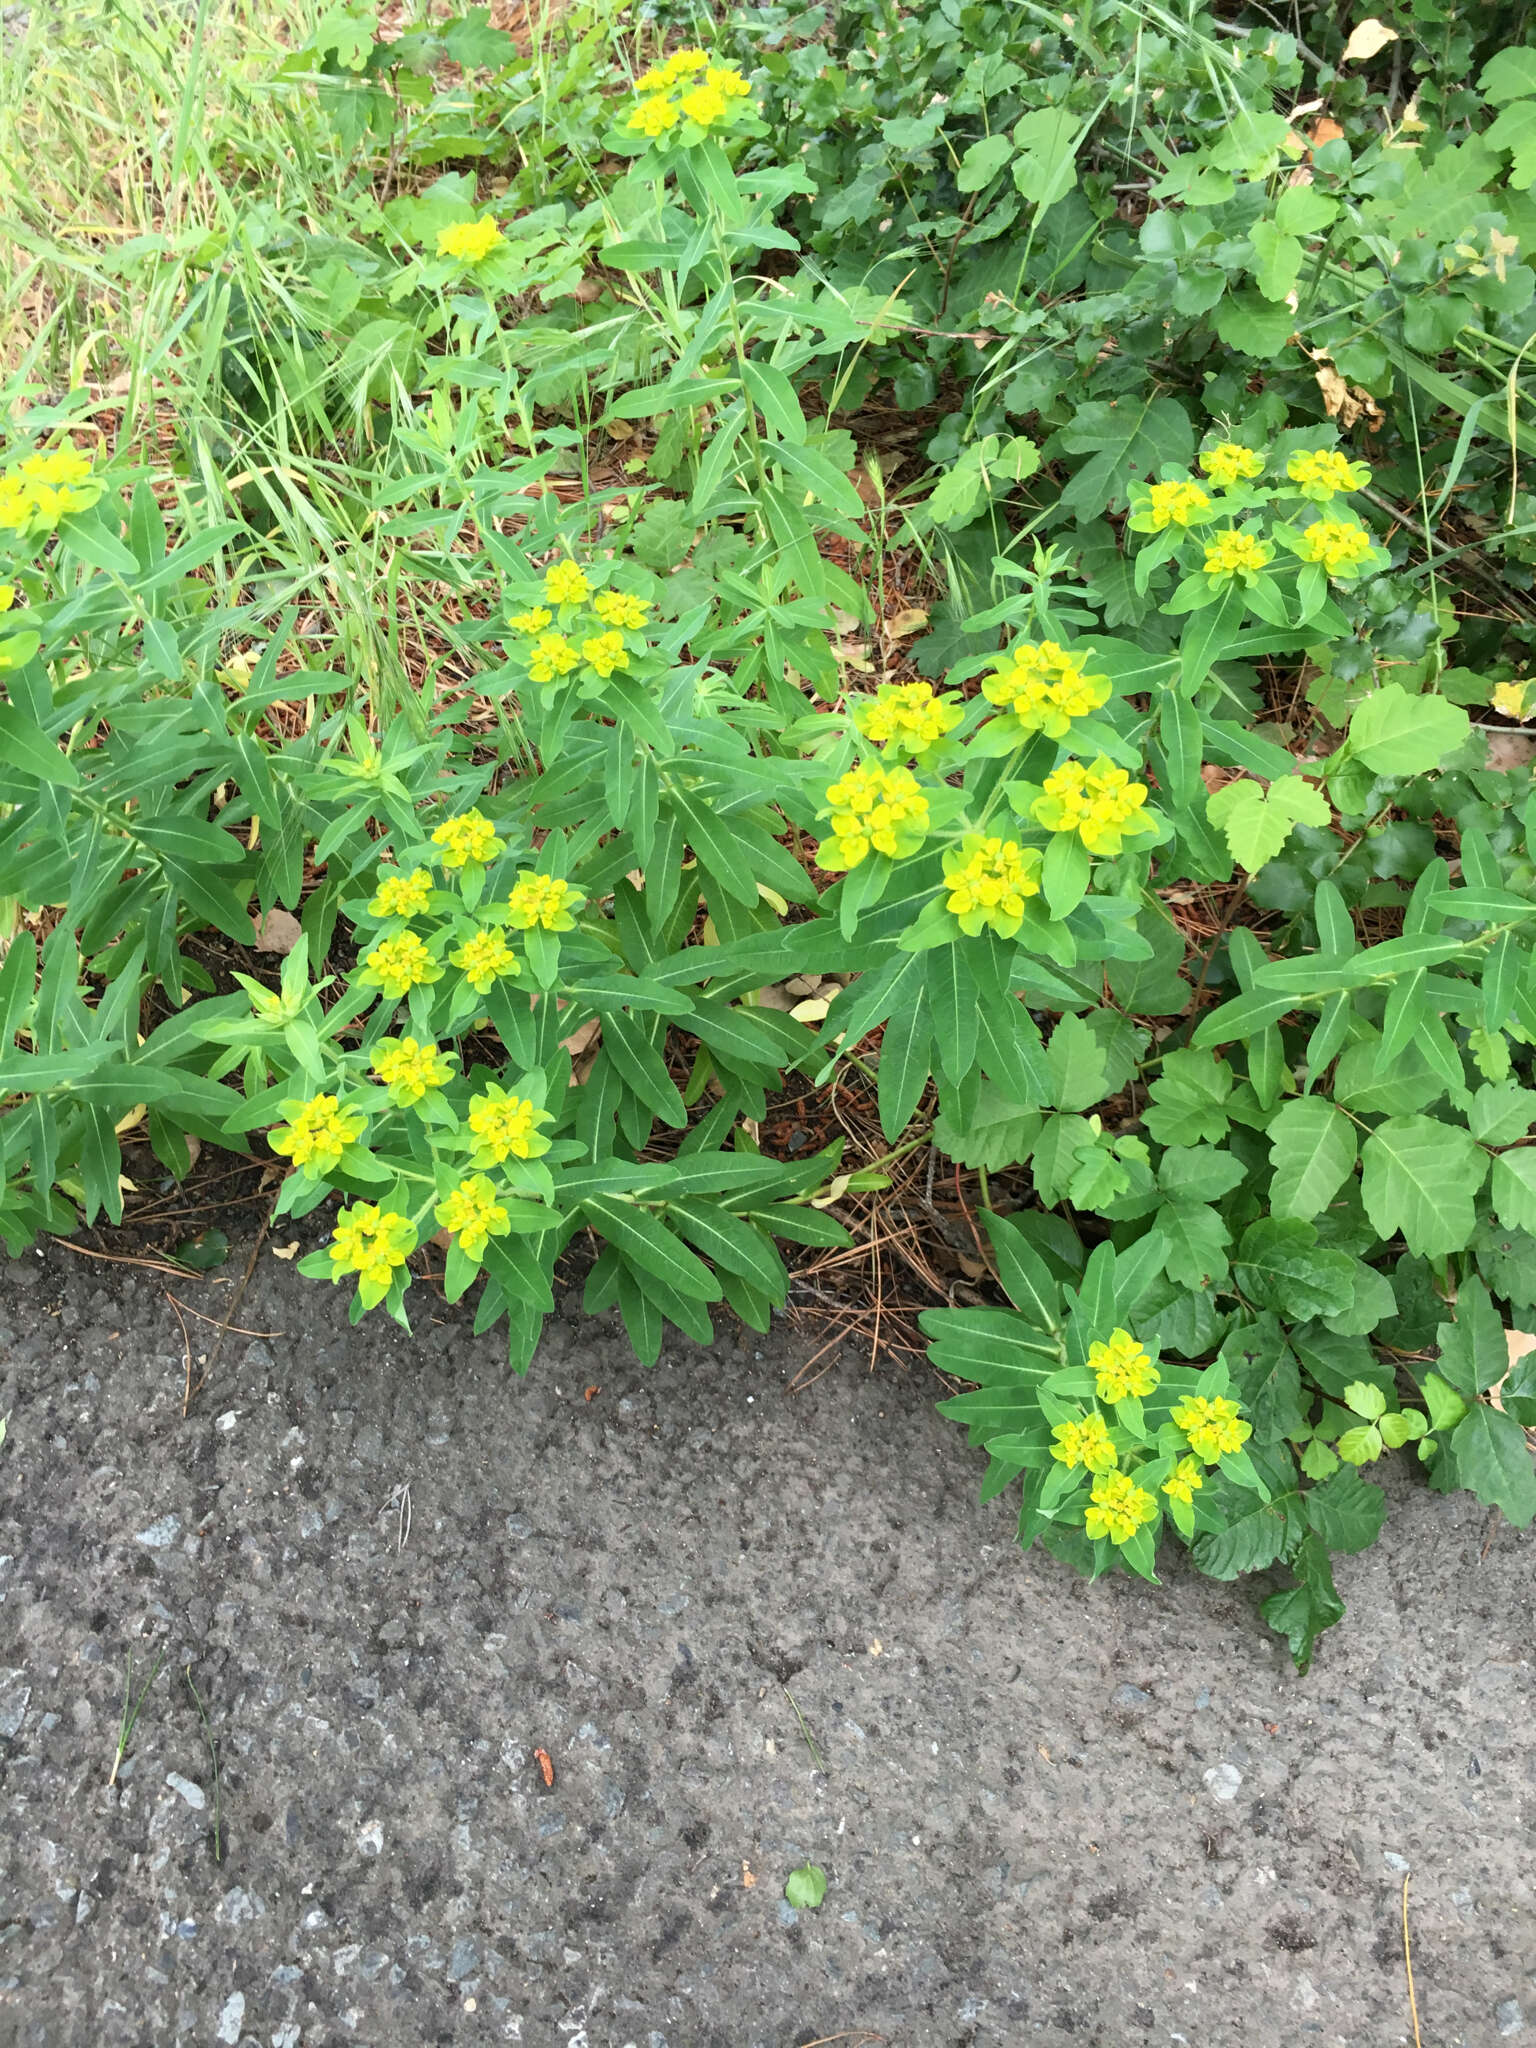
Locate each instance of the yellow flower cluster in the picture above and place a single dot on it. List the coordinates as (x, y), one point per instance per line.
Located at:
(533, 621)
(471, 837)
(400, 895)
(399, 964)
(1212, 1425)
(484, 959)
(472, 1212)
(1229, 463)
(1122, 1368)
(506, 1127)
(675, 91)
(543, 900)
(621, 608)
(988, 880)
(1235, 553)
(469, 241)
(1175, 504)
(1339, 546)
(372, 1243)
(604, 652)
(1085, 1443)
(317, 1133)
(874, 810)
(1184, 1481)
(44, 489)
(1045, 688)
(553, 655)
(409, 1070)
(1118, 1507)
(1098, 803)
(906, 718)
(1324, 472)
(565, 583)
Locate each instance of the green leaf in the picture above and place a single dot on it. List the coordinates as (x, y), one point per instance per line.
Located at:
(998, 1132)
(1492, 1459)
(1365, 1399)
(649, 1246)
(1509, 75)
(1249, 1543)
(1188, 1097)
(1129, 439)
(1046, 168)
(1276, 260)
(1501, 1115)
(982, 162)
(1279, 1265)
(1346, 1512)
(1312, 1148)
(1256, 825)
(1512, 1189)
(1395, 734)
(27, 749)
(1311, 1605)
(806, 1887)
(1419, 1177)
(1198, 1173)
(1197, 1241)
(1078, 1064)
(1445, 1405)
(1474, 1354)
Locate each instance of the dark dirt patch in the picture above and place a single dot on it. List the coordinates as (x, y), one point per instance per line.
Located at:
(1017, 1816)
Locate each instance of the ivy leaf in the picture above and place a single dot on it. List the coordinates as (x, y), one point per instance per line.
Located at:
(1346, 1512)
(1281, 1266)
(1256, 825)
(1310, 1606)
(1312, 1148)
(1474, 1352)
(1420, 1176)
(1122, 440)
(1395, 734)
(1197, 1242)
(1491, 1457)
(1187, 1099)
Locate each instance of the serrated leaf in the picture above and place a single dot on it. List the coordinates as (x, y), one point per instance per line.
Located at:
(1187, 1099)
(1492, 1458)
(1079, 1067)
(1346, 1512)
(1312, 1147)
(1474, 1353)
(997, 1133)
(1310, 1606)
(1502, 1114)
(1512, 1189)
(1420, 1177)
(1280, 1266)
(1129, 439)
(1197, 1240)
(1395, 734)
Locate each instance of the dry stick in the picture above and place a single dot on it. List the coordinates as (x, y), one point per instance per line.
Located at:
(1413, 2003)
(236, 1329)
(85, 1251)
(250, 1266)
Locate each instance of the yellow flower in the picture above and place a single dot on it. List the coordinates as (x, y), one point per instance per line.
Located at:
(1234, 553)
(409, 1070)
(605, 652)
(1212, 1426)
(906, 718)
(988, 880)
(532, 622)
(1121, 1368)
(1509, 698)
(653, 116)
(484, 959)
(1084, 1443)
(317, 1133)
(1324, 472)
(472, 1212)
(880, 810)
(506, 1127)
(399, 964)
(1118, 1507)
(543, 900)
(372, 1243)
(704, 106)
(1045, 688)
(400, 895)
(727, 79)
(469, 241)
(565, 583)
(1184, 1481)
(64, 465)
(1228, 463)
(1175, 504)
(1340, 547)
(15, 503)
(621, 608)
(553, 655)
(1098, 803)
(470, 837)
(7, 596)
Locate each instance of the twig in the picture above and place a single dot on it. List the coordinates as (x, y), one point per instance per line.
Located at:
(85, 1251)
(186, 1351)
(213, 1752)
(1413, 2003)
(238, 1329)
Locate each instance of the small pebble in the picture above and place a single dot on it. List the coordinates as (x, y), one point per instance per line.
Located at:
(1508, 2017)
(193, 1794)
(1223, 1781)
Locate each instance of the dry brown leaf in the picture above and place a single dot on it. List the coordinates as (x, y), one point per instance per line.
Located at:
(910, 619)
(278, 932)
(1508, 750)
(1326, 129)
(285, 1251)
(1367, 39)
(1347, 403)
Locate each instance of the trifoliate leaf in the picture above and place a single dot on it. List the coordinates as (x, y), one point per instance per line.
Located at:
(1419, 1176)
(1187, 1099)
(1403, 1428)
(1256, 825)
(1502, 1115)
(1312, 1147)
